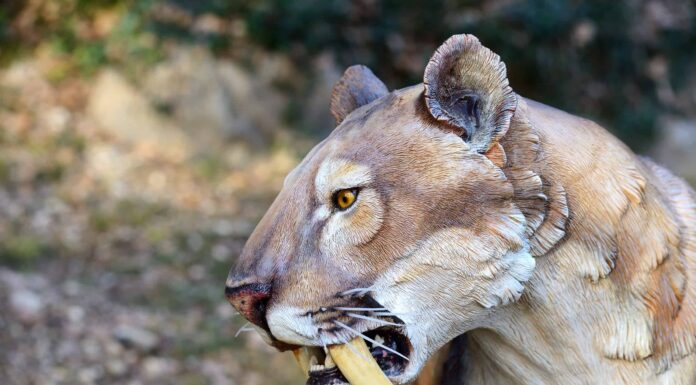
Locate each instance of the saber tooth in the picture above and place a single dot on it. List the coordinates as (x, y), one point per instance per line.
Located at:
(302, 356)
(356, 369)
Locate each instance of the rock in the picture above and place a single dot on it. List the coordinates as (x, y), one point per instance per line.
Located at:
(75, 314)
(214, 99)
(116, 367)
(215, 372)
(26, 306)
(675, 147)
(90, 375)
(91, 349)
(132, 336)
(120, 110)
(315, 109)
(109, 163)
(155, 367)
(55, 118)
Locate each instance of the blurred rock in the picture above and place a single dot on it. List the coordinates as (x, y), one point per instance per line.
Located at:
(214, 98)
(120, 110)
(55, 118)
(132, 336)
(215, 373)
(89, 375)
(26, 306)
(316, 114)
(116, 367)
(108, 162)
(156, 367)
(675, 147)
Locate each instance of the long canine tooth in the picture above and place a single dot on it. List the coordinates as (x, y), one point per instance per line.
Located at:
(302, 357)
(354, 364)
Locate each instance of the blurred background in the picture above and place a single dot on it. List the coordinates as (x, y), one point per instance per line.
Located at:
(140, 142)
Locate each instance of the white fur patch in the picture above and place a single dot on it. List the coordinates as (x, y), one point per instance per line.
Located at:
(508, 287)
(336, 174)
(627, 335)
(291, 324)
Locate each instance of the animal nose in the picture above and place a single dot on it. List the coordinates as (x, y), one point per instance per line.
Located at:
(250, 300)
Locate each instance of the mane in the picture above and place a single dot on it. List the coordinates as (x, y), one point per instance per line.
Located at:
(624, 224)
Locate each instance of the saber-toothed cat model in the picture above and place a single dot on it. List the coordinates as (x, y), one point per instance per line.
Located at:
(456, 215)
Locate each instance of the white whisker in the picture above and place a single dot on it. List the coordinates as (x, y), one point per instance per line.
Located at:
(323, 344)
(244, 328)
(361, 309)
(357, 333)
(388, 313)
(383, 322)
(359, 290)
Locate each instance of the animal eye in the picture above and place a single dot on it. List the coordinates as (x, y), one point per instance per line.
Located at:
(343, 199)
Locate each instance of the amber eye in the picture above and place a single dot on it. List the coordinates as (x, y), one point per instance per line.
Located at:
(343, 199)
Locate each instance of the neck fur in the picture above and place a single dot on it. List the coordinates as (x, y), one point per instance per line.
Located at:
(613, 236)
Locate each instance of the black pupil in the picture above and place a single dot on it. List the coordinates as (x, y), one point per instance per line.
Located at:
(344, 199)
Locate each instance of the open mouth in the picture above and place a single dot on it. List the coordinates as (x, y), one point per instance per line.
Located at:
(386, 346)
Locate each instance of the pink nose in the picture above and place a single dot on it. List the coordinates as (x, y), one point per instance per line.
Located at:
(250, 300)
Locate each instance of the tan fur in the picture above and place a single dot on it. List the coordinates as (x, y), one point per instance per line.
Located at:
(565, 257)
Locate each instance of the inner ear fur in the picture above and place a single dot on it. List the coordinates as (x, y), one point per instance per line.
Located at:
(357, 87)
(466, 87)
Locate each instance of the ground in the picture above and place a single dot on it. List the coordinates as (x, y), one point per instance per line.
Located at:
(119, 225)
(141, 141)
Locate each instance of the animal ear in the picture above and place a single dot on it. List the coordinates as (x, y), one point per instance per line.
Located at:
(357, 87)
(466, 86)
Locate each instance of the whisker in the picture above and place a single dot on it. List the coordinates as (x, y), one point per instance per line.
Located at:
(388, 313)
(373, 319)
(244, 328)
(366, 338)
(323, 344)
(360, 290)
(361, 308)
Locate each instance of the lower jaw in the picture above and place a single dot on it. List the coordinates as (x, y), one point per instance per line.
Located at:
(354, 363)
(346, 364)
(331, 376)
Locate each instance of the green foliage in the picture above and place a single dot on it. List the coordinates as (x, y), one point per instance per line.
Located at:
(590, 57)
(603, 77)
(66, 26)
(21, 251)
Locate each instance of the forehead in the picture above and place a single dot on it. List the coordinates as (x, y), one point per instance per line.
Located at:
(381, 135)
(338, 173)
